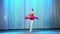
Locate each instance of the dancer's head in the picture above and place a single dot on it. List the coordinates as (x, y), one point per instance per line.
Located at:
(32, 9)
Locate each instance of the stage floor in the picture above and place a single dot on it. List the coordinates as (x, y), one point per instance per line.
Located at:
(27, 32)
(34, 31)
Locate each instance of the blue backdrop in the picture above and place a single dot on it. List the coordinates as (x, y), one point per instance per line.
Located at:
(14, 11)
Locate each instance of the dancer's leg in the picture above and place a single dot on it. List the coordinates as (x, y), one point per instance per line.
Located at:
(31, 23)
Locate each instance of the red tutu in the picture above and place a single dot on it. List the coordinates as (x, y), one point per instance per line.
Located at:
(32, 17)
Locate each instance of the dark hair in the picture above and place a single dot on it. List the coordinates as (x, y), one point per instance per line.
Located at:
(32, 9)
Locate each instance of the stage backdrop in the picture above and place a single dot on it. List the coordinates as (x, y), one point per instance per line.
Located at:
(13, 12)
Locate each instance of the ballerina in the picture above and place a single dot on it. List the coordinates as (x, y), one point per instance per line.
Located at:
(32, 18)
